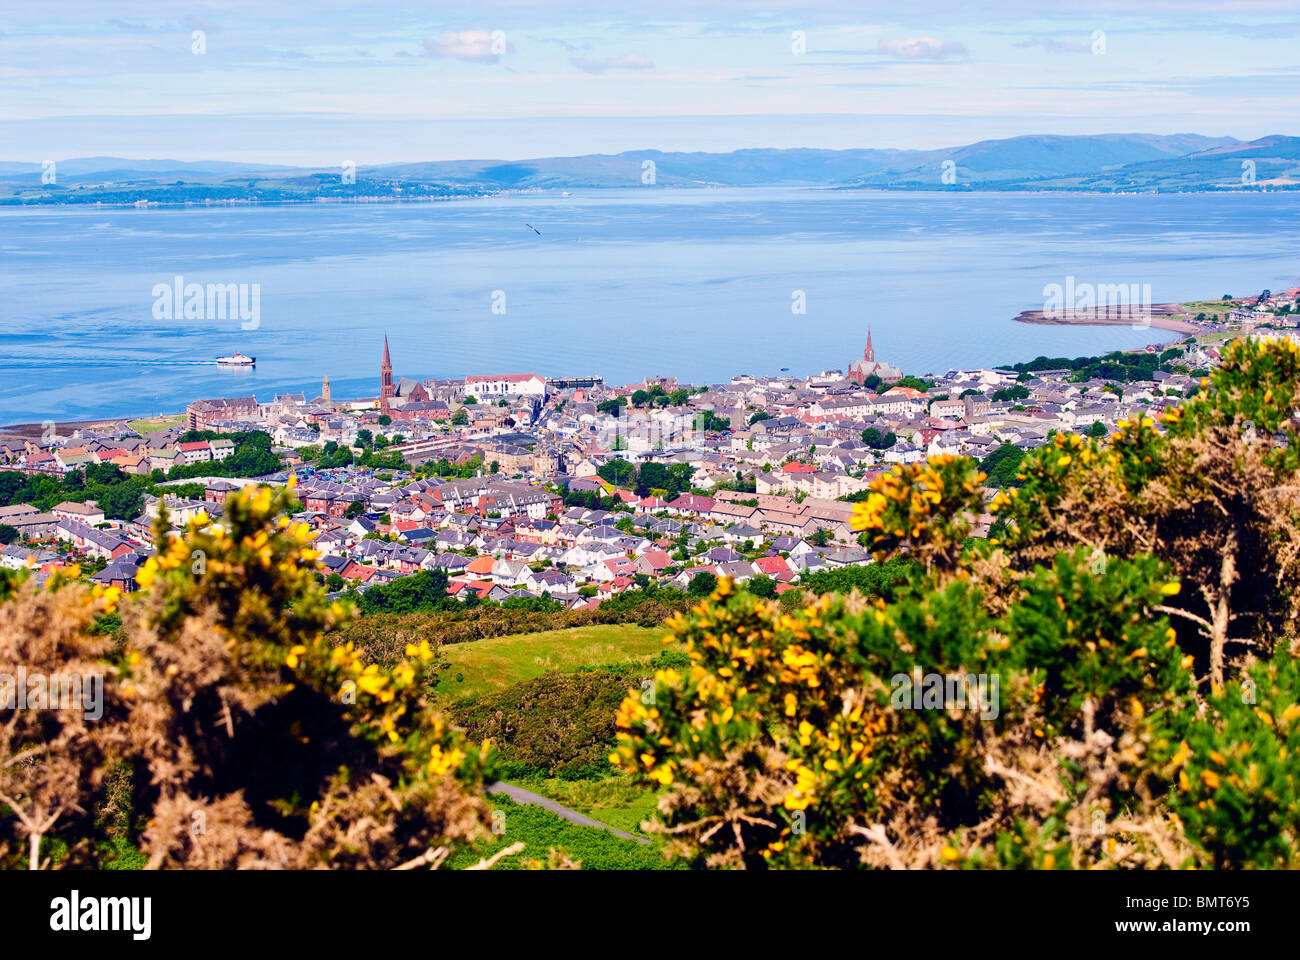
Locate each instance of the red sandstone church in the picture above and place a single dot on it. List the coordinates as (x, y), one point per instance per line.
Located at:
(859, 370)
(392, 397)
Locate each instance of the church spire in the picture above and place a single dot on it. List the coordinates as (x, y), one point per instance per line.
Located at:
(386, 391)
(870, 353)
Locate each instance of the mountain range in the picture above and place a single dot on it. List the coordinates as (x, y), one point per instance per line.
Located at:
(1103, 163)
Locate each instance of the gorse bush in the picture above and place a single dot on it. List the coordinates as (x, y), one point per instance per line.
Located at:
(1110, 682)
(252, 740)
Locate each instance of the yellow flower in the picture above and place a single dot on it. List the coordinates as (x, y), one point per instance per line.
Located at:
(949, 853)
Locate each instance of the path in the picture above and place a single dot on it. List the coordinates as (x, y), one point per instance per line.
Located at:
(520, 795)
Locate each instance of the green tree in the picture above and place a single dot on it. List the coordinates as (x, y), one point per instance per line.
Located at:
(702, 584)
(877, 440)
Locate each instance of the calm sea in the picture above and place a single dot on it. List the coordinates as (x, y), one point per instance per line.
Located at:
(697, 284)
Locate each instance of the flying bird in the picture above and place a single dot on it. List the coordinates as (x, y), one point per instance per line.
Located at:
(534, 229)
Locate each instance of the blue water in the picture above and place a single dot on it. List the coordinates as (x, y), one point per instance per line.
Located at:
(691, 283)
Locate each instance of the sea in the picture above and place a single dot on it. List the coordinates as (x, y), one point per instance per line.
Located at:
(698, 284)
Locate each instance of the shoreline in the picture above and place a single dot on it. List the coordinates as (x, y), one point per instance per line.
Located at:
(23, 204)
(1160, 316)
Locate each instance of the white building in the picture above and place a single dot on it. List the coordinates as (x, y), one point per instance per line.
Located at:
(505, 385)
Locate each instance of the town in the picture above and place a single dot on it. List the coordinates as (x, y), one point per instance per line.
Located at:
(517, 486)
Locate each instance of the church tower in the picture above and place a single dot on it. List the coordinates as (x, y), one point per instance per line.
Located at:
(386, 392)
(869, 354)
(325, 389)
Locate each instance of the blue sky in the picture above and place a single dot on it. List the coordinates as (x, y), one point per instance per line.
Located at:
(318, 82)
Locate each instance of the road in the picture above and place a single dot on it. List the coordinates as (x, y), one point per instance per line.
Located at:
(520, 795)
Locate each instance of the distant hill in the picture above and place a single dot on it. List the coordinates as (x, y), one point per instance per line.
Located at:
(1105, 163)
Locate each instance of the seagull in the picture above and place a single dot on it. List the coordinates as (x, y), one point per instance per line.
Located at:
(534, 229)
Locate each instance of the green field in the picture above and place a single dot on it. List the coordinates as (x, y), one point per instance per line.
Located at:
(154, 424)
(541, 831)
(486, 666)
(615, 800)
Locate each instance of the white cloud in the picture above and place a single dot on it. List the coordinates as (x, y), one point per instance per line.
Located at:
(922, 48)
(474, 45)
(1052, 45)
(629, 61)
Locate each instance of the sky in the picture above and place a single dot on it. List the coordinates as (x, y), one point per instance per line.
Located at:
(371, 81)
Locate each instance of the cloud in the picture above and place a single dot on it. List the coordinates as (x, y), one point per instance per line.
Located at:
(922, 48)
(127, 26)
(568, 46)
(477, 46)
(629, 61)
(195, 22)
(1052, 45)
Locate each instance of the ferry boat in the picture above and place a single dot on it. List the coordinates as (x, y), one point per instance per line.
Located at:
(238, 360)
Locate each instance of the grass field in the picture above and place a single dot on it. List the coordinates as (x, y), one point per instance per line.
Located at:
(154, 424)
(615, 800)
(540, 831)
(485, 666)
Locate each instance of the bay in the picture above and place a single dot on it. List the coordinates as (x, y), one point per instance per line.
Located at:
(696, 284)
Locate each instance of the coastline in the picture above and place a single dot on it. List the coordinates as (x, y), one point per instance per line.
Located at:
(1159, 316)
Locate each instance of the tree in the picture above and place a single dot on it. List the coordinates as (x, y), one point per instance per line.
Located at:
(617, 472)
(1014, 392)
(8, 534)
(612, 407)
(702, 584)
(125, 501)
(877, 440)
(915, 383)
(710, 421)
(640, 398)
(759, 415)
(355, 509)
(385, 420)
(460, 418)
(761, 586)
(1003, 465)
